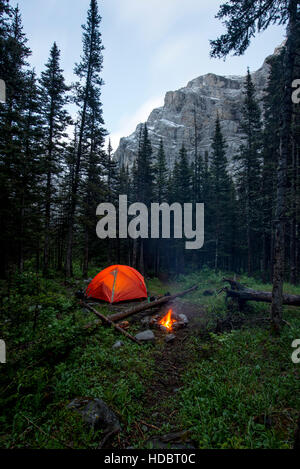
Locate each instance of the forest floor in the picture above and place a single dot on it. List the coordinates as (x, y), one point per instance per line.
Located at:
(224, 382)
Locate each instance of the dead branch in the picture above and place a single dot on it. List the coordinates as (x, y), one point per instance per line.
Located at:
(111, 324)
(153, 304)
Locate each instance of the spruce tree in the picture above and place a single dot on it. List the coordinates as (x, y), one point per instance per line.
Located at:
(161, 175)
(220, 202)
(87, 92)
(242, 20)
(271, 143)
(183, 178)
(249, 170)
(160, 196)
(94, 189)
(145, 170)
(182, 193)
(144, 186)
(54, 98)
(15, 74)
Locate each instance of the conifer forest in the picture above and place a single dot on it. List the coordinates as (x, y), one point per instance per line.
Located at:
(136, 342)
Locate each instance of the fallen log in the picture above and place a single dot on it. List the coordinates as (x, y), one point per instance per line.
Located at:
(111, 324)
(242, 293)
(153, 304)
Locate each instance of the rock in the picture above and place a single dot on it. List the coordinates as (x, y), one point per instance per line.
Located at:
(175, 120)
(96, 414)
(170, 338)
(118, 344)
(208, 293)
(163, 328)
(146, 321)
(146, 336)
(153, 321)
(171, 441)
(183, 318)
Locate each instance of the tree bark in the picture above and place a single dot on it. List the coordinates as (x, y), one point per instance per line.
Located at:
(261, 296)
(285, 135)
(243, 293)
(153, 304)
(85, 268)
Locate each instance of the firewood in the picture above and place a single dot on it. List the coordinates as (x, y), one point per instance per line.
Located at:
(110, 323)
(153, 304)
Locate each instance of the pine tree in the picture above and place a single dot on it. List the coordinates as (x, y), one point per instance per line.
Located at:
(94, 188)
(160, 194)
(111, 168)
(5, 12)
(124, 187)
(143, 185)
(30, 175)
(249, 169)
(161, 175)
(15, 73)
(242, 20)
(145, 170)
(182, 193)
(220, 203)
(197, 170)
(183, 178)
(271, 143)
(87, 93)
(55, 121)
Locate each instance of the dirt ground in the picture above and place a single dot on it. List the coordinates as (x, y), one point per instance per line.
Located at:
(171, 361)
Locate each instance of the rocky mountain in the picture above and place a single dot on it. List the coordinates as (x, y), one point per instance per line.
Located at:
(188, 116)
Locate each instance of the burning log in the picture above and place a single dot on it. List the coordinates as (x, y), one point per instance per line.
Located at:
(153, 304)
(111, 324)
(243, 294)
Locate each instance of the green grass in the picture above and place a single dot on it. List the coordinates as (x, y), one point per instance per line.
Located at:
(239, 389)
(245, 395)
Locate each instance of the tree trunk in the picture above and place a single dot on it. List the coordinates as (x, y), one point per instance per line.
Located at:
(75, 186)
(85, 268)
(243, 293)
(134, 253)
(293, 224)
(217, 254)
(47, 225)
(69, 254)
(142, 260)
(285, 135)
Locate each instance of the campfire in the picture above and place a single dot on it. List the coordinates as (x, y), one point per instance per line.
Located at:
(168, 321)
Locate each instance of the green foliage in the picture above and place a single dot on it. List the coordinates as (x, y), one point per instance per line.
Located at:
(238, 390)
(244, 395)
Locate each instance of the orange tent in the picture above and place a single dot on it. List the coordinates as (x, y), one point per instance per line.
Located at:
(117, 283)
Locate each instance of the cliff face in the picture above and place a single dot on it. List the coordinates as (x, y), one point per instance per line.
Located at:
(188, 116)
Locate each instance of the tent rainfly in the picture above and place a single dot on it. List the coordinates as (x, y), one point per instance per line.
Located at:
(117, 283)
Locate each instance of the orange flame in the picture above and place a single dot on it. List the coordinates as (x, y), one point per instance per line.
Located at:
(167, 321)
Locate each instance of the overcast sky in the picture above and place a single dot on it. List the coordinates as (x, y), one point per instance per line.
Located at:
(151, 47)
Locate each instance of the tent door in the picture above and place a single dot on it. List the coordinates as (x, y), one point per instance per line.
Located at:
(114, 286)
